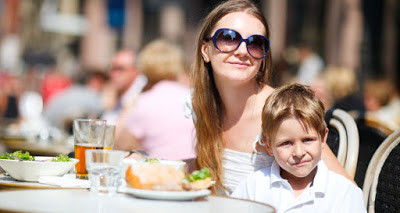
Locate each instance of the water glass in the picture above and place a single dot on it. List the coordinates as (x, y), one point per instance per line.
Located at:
(104, 168)
(88, 134)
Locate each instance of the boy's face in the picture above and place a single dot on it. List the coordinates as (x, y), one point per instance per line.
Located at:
(296, 151)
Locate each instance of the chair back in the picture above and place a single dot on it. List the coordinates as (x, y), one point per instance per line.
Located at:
(372, 176)
(346, 126)
(370, 139)
(337, 139)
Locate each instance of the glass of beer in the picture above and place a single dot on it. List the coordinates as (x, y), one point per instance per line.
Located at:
(109, 137)
(88, 134)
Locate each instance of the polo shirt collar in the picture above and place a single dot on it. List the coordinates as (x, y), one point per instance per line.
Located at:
(276, 178)
(319, 184)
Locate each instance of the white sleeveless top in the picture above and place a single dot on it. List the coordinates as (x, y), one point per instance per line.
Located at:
(237, 165)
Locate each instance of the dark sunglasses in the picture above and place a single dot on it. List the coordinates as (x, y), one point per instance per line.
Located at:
(117, 68)
(228, 40)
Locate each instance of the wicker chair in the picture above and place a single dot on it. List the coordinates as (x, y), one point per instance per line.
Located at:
(337, 139)
(384, 169)
(347, 143)
(370, 139)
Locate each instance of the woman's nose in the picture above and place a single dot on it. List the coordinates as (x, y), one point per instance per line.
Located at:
(242, 49)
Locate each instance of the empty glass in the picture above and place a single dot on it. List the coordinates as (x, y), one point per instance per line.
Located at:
(104, 167)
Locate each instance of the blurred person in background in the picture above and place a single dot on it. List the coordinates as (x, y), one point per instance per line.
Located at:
(124, 86)
(310, 65)
(54, 82)
(82, 99)
(342, 84)
(322, 91)
(10, 90)
(382, 101)
(157, 123)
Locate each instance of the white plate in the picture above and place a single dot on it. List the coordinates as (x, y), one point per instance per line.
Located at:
(166, 195)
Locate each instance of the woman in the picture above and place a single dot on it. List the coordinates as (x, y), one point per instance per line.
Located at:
(156, 123)
(230, 86)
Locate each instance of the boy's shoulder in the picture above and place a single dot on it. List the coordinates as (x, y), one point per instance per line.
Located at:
(335, 178)
(337, 183)
(264, 174)
(336, 191)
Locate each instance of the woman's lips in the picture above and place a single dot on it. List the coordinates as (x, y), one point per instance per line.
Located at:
(238, 64)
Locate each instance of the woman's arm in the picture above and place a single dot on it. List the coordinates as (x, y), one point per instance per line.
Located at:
(333, 164)
(124, 140)
(190, 165)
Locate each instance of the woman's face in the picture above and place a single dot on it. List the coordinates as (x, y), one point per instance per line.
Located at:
(237, 66)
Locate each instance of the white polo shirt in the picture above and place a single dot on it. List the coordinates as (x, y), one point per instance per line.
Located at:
(329, 192)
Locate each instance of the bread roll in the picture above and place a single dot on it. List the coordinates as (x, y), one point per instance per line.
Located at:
(155, 176)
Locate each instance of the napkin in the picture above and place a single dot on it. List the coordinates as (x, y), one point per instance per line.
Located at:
(67, 180)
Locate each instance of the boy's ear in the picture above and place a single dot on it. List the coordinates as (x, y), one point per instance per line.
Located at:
(325, 138)
(267, 147)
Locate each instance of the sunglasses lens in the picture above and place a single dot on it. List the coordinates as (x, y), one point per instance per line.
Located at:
(257, 46)
(227, 40)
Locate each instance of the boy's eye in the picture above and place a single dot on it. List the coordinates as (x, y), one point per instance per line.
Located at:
(286, 143)
(308, 139)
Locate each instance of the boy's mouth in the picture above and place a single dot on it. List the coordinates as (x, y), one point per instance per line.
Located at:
(300, 163)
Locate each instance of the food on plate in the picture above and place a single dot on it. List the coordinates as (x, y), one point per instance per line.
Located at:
(61, 158)
(18, 154)
(197, 180)
(151, 160)
(163, 177)
(155, 177)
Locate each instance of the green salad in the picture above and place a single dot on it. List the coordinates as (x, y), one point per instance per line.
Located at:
(19, 154)
(61, 158)
(151, 160)
(199, 174)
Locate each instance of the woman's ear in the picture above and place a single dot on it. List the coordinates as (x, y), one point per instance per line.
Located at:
(204, 52)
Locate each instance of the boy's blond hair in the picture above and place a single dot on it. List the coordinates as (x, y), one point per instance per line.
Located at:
(294, 100)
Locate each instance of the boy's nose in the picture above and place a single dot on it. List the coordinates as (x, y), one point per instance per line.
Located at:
(298, 150)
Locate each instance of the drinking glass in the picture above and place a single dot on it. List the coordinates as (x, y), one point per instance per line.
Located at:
(88, 134)
(109, 137)
(104, 168)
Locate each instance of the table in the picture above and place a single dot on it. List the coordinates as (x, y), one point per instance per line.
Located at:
(36, 148)
(80, 200)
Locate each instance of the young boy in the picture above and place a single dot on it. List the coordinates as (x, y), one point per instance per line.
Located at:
(294, 132)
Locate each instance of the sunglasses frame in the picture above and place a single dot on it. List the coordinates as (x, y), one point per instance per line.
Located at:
(214, 40)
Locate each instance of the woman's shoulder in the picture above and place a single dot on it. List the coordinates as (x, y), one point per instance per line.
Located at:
(266, 90)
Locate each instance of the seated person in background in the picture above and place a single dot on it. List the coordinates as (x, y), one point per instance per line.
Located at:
(310, 64)
(344, 89)
(10, 91)
(82, 99)
(382, 102)
(124, 86)
(294, 132)
(156, 123)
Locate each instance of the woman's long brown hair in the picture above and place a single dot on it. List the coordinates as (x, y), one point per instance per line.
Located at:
(207, 104)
